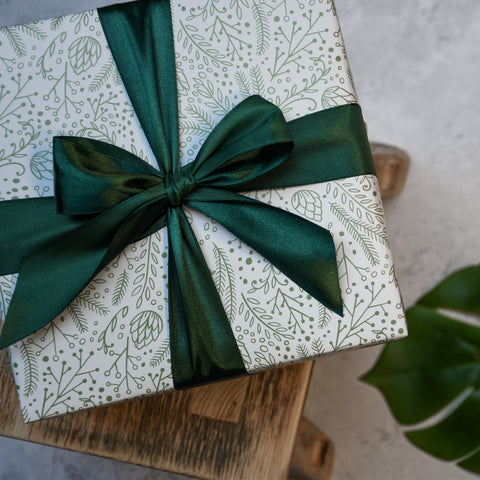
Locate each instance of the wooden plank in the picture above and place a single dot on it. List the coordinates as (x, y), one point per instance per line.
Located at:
(195, 432)
(220, 403)
(392, 165)
(313, 454)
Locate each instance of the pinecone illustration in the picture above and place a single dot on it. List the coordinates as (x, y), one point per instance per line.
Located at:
(308, 204)
(145, 328)
(41, 165)
(84, 54)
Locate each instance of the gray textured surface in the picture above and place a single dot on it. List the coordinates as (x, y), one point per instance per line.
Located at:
(416, 67)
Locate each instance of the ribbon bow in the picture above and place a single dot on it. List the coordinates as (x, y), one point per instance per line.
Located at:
(107, 198)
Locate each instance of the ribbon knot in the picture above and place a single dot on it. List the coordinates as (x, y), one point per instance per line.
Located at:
(178, 184)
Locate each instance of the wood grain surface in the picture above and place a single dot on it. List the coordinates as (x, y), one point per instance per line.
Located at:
(392, 165)
(240, 429)
(313, 454)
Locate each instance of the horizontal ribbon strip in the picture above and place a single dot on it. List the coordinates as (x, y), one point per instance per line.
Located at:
(107, 198)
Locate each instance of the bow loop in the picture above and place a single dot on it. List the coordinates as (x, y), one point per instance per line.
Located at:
(93, 176)
(251, 140)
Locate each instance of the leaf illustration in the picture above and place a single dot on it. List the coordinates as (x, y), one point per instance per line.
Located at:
(265, 360)
(15, 40)
(84, 53)
(254, 313)
(120, 288)
(193, 128)
(215, 99)
(357, 230)
(92, 285)
(116, 77)
(284, 303)
(145, 328)
(302, 351)
(92, 304)
(358, 200)
(161, 354)
(335, 96)
(237, 4)
(13, 35)
(49, 53)
(258, 84)
(32, 30)
(224, 278)
(324, 316)
(78, 317)
(199, 47)
(102, 76)
(56, 23)
(262, 28)
(201, 124)
(25, 416)
(148, 271)
(105, 345)
(434, 371)
(368, 230)
(272, 279)
(81, 19)
(41, 165)
(299, 41)
(247, 359)
(308, 203)
(317, 347)
(7, 285)
(30, 368)
(242, 82)
(183, 85)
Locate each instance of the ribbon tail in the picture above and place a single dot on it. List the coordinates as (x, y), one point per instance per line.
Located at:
(26, 224)
(202, 344)
(53, 275)
(303, 251)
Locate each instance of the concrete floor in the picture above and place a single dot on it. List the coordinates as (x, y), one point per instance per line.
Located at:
(416, 66)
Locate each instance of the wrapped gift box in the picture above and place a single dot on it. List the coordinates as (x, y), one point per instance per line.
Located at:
(58, 77)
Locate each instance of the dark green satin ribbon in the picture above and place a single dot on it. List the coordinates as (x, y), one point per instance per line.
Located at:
(107, 198)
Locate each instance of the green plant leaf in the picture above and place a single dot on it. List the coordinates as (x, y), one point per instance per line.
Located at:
(436, 371)
(460, 291)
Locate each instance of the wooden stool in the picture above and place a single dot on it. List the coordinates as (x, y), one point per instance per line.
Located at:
(242, 429)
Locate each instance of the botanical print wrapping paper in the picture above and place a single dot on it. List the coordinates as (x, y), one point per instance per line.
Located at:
(57, 77)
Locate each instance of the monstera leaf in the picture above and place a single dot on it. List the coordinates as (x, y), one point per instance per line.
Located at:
(436, 370)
